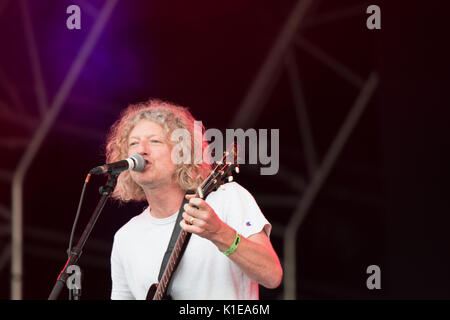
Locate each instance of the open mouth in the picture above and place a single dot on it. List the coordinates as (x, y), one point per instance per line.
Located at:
(147, 164)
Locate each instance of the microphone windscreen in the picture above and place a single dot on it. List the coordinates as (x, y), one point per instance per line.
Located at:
(139, 162)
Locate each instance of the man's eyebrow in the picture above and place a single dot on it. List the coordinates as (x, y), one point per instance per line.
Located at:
(149, 136)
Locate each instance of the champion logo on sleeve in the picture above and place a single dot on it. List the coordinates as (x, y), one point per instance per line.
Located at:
(248, 223)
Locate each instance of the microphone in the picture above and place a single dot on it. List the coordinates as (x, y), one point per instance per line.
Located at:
(135, 162)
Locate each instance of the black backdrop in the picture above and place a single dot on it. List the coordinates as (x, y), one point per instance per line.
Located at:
(385, 201)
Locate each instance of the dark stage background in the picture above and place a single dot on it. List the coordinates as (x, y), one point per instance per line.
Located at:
(383, 202)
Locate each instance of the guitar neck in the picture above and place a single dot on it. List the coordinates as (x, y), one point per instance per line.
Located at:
(174, 259)
(215, 178)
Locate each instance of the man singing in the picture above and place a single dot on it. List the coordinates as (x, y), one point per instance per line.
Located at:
(212, 266)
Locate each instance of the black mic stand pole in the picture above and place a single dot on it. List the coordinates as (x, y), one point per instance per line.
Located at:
(75, 254)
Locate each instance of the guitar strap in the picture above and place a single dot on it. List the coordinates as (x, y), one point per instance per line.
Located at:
(173, 239)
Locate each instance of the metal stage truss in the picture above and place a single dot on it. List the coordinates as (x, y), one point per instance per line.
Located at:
(280, 59)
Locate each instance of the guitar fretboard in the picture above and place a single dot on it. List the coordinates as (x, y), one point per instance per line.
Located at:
(183, 237)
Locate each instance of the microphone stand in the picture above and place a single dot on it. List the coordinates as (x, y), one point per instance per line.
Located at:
(75, 254)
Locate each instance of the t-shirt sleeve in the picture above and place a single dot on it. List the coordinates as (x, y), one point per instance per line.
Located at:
(120, 289)
(242, 213)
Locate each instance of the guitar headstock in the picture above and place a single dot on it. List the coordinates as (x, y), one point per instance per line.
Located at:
(222, 172)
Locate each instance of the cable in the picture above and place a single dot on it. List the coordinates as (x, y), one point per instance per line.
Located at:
(69, 250)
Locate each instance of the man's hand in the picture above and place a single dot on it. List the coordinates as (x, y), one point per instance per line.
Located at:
(254, 255)
(200, 218)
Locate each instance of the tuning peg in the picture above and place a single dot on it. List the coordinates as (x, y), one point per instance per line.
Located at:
(236, 169)
(230, 178)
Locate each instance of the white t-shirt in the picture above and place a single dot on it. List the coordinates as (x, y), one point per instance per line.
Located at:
(204, 272)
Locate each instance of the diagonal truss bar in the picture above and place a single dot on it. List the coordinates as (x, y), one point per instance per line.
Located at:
(31, 151)
(330, 62)
(301, 112)
(31, 123)
(88, 7)
(251, 106)
(290, 245)
(34, 58)
(96, 259)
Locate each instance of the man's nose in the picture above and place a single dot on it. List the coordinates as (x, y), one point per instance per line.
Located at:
(143, 148)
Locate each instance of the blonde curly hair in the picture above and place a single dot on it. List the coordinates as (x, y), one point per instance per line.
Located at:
(170, 117)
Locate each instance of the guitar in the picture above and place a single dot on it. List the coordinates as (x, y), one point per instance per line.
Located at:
(221, 172)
